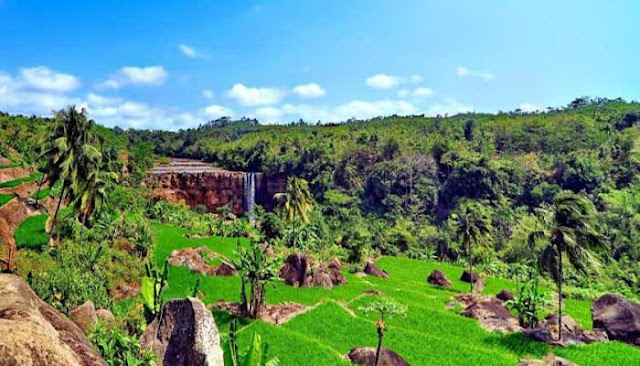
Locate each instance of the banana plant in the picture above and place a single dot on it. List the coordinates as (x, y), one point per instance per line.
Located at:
(255, 356)
(151, 289)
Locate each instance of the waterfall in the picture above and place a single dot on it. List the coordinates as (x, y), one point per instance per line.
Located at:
(250, 193)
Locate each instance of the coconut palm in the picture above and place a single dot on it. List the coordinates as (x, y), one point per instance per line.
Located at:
(91, 195)
(571, 233)
(474, 228)
(296, 202)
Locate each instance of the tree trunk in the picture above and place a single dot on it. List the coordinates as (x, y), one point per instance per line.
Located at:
(55, 215)
(39, 187)
(560, 296)
(470, 264)
(243, 299)
(380, 336)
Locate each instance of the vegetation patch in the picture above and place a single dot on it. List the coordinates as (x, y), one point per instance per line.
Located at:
(32, 232)
(19, 181)
(4, 198)
(44, 193)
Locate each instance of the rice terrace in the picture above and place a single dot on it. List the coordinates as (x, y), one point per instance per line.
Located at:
(260, 183)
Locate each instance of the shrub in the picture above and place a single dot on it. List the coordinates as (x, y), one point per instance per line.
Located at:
(120, 349)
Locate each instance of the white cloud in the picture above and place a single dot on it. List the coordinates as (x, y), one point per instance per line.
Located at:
(151, 75)
(216, 111)
(43, 78)
(448, 106)
(311, 90)
(251, 97)
(420, 92)
(208, 94)
(415, 79)
(383, 81)
(187, 50)
(526, 107)
(463, 71)
(270, 114)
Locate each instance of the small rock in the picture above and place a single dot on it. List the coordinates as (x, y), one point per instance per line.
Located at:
(367, 356)
(550, 360)
(438, 278)
(505, 295)
(84, 316)
(478, 281)
(225, 270)
(104, 314)
(372, 270)
(492, 315)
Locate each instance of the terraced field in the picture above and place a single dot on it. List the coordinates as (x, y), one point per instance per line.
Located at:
(428, 335)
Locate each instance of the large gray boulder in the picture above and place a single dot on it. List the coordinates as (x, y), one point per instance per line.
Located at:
(619, 317)
(32, 332)
(184, 335)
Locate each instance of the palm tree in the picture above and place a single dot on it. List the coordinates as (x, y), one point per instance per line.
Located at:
(296, 203)
(69, 146)
(92, 195)
(474, 226)
(571, 234)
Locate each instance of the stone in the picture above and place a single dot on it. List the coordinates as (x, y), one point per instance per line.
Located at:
(372, 270)
(296, 269)
(192, 258)
(478, 281)
(335, 272)
(618, 317)
(438, 278)
(572, 333)
(84, 316)
(321, 278)
(505, 295)
(225, 270)
(492, 315)
(550, 360)
(39, 334)
(104, 314)
(367, 356)
(184, 335)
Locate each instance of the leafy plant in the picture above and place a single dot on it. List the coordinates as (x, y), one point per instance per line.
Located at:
(151, 289)
(384, 307)
(119, 349)
(256, 355)
(527, 303)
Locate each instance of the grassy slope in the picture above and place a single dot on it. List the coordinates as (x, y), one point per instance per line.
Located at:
(428, 335)
(4, 198)
(31, 233)
(19, 181)
(44, 193)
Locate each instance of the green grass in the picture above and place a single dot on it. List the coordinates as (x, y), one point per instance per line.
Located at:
(428, 335)
(31, 233)
(16, 182)
(44, 193)
(4, 198)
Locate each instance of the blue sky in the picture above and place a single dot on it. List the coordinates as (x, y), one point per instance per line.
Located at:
(175, 64)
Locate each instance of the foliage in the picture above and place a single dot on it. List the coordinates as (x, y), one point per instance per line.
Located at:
(119, 349)
(527, 303)
(151, 289)
(32, 233)
(257, 355)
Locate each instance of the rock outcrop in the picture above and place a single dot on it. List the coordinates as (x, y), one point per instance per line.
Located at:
(618, 317)
(438, 278)
(194, 259)
(84, 316)
(38, 334)
(300, 270)
(185, 335)
(491, 314)
(372, 270)
(366, 356)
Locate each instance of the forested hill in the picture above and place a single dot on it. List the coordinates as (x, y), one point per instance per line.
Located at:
(390, 185)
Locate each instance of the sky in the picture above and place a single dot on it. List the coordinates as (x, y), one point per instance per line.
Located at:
(176, 64)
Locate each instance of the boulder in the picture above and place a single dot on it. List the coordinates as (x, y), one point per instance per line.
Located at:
(335, 272)
(438, 278)
(295, 270)
(225, 270)
(372, 270)
(492, 315)
(39, 335)
(550, 360)
(104, 314)
(505, 295)
(367, 356)
(84, 316)
(619, 317)
(185, 335)
(572, 333)
(192, 258)
(321, 278)
(478, 281)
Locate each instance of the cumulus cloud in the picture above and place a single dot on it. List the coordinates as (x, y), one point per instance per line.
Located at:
(462, 71)
(251, 97)
(448, 106)
(311, 90)
(187, 50)
(216, 111)
(526, 107)
(208, 94)
(420, 92)
(134, 75)
(383, 81)
(44, 78)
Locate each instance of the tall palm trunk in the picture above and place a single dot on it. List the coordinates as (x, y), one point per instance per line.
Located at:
(55, 215)
(470, 264)
(39, 188)
(380, 327)
(560, 296)
(243, 299)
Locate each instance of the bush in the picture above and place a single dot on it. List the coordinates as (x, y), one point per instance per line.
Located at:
(32, 233)
(120, 349)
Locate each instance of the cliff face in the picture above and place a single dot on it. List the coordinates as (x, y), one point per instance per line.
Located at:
(194, 183)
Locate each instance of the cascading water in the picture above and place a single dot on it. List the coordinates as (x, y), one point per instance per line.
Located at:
(250, 193)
